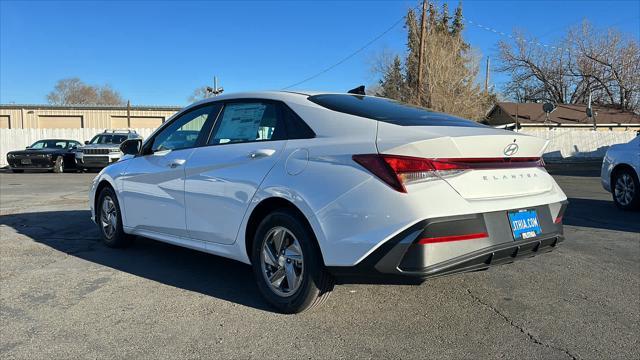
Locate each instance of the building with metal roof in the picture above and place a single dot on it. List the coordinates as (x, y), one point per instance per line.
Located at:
(510, 115)
(33, 116)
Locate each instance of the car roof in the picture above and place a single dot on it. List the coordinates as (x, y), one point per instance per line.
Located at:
(117, 132)
(290, 95)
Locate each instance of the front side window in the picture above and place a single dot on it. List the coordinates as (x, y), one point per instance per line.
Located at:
(184, 132)
(248, 122)
(108, 139)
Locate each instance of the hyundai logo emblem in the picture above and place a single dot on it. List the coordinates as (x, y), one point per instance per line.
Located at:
(511, 149)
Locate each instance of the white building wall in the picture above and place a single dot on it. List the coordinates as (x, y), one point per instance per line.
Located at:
(579, 144)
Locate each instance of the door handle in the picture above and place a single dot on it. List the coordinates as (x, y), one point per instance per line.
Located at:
(261, 153)
(177, 162)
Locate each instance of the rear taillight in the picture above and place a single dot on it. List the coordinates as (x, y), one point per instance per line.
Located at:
(398, 171)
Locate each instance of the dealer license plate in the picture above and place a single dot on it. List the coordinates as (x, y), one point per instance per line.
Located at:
(524, 224)
(25, 161)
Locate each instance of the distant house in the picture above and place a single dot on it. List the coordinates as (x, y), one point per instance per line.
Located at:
(531, 115)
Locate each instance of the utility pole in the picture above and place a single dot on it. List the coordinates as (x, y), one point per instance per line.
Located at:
(423, 33)
(129, 114)
(590, 112)
(517, 119)
(486, 78)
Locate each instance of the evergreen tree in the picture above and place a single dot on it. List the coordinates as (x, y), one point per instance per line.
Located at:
(444, 20)
(433, 16)
(458, 24)
(450, 71)
(393, 85)
(413, 51)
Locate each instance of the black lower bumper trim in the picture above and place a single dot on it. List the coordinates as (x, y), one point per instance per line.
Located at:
(474, 261)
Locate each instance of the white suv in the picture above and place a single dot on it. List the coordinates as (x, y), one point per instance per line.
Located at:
(314, 188)
(103, 149)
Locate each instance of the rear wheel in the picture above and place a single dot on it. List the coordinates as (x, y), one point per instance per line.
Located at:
(109, 219)
(58, 166)
(287, 264)
(626, 190)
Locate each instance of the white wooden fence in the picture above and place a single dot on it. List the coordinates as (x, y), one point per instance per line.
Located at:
(579, 144)
(18, 139)
(564, 143)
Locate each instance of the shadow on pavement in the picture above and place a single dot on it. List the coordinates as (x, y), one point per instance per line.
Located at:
(72, 232)
(601, 214)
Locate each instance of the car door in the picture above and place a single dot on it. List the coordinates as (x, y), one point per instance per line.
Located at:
(221, 178)
(153, 185)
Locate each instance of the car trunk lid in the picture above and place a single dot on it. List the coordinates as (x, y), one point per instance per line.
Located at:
(491, 163)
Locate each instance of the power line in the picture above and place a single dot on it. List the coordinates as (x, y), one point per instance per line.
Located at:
(378, 37)
(356, 52)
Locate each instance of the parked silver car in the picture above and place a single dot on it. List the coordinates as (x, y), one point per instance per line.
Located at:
(103, 149)
(619, 175)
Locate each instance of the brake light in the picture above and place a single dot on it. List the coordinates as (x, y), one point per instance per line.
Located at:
(398, 171)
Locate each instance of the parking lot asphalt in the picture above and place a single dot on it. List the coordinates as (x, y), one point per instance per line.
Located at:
(65, 295)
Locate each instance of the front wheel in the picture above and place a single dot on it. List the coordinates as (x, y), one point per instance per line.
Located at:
(626, 190)
(109, 220)
(58, 166)
(287, 264)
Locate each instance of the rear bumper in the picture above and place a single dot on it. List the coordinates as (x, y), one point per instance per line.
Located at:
(403, 260)
(478, 260)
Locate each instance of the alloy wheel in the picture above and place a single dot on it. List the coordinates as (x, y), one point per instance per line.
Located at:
(108, 217)
(624, 189)
(282, 261)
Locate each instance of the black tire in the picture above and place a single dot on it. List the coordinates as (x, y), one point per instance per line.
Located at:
(58, 166)
(625, 189)
(116, 238)
(315, 284)
(17, 171)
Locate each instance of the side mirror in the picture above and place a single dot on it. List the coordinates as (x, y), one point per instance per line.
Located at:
(131, 146)
(86, 142)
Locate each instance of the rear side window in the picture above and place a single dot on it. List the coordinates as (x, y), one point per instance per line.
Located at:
(296, 127)
(389, 111)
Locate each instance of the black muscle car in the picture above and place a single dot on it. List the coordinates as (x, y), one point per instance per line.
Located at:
(55, 155)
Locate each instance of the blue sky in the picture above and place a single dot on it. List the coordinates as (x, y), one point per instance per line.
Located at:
(157, 53)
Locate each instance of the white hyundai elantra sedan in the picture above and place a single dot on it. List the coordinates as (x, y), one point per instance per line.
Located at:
(315, 188)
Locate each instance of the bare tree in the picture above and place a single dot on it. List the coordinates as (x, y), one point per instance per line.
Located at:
(604, 64)
(449, 80)
(73, 91)
(199, 94)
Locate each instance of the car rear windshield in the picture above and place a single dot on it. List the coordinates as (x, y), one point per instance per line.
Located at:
(387, 110)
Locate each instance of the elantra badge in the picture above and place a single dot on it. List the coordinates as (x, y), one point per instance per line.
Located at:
(511, 149)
